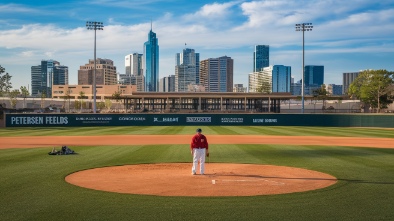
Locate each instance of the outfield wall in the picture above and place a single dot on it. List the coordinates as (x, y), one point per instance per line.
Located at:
(81, 120)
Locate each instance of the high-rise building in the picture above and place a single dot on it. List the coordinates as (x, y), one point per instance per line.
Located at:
(197, 68)
(261, 58)
(348, 78)
(186, 69)
(296, 88)
(44, 76)
(151, 62)
(137, 81)
(276, 78)
(239, 88)
(184, 76)
(189, 57)
(281, 78)
(60, 76)
(37, 80)
(105, 73)
(167, 84)
(216, 74)
(133, 64)
(314, 75)
(334, 89)
(134, 72)
(260, 81)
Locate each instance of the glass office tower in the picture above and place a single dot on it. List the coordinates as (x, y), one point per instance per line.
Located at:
(49, 73)
(261, 58)
(281, 78)
(314, 75)
(187, 69)
(151, 63)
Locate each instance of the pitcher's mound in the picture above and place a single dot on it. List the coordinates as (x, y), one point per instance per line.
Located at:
(175, 179)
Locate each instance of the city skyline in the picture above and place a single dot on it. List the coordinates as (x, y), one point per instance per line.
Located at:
(348, 36)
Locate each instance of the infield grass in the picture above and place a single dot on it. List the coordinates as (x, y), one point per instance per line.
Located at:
(32, 183)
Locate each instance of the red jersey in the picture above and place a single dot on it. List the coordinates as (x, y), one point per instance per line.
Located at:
(199, 140)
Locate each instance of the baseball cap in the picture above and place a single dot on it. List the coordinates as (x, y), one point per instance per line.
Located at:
(199, 130)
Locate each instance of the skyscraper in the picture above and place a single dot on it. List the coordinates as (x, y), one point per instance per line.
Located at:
(133, 64)
(186, 69)
(261, 57)
(276, 78)
(260, 81)
(134, 72)
(216, 74)
(105, 72)
(348, 78)
(281, 78)
(49, 73)
(151, 62)
(314, 75)
(167, 84)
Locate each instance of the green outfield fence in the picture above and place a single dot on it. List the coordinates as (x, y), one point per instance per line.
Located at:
(77, 120)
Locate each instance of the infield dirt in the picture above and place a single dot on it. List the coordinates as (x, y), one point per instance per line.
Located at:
(220, 179)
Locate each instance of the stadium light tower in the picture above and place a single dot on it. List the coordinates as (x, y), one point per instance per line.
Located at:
(94, 25)
(303, 27)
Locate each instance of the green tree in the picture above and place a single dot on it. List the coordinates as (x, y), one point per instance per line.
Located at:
(67, 97)
(117, 95)
(100, 105)
(43, 96)
(81, 97)
(265, 87)
(13, 97)
(24, 93)
(108, 104)
(321, 94)
(77, 105)
(373, 87)
(5, 82)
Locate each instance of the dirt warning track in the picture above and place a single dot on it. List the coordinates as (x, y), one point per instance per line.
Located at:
(55, 141)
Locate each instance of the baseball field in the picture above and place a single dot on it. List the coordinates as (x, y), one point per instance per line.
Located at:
(358, 163)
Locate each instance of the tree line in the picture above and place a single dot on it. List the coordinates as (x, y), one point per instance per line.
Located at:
(6, 86)
(374, 88)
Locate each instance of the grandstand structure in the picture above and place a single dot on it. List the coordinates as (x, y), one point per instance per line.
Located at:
(204, 102)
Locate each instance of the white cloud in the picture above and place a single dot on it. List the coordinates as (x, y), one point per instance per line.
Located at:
(16, 8)
(212, 11)
(27, 54)
(49, 54)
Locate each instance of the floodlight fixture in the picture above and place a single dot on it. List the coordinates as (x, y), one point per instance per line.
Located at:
(94, 25)
(303, 27)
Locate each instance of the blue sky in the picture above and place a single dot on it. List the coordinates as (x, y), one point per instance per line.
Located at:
(348, 36)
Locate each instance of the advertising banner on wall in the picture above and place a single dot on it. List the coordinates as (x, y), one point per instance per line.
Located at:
(76, 120)
(81, 120)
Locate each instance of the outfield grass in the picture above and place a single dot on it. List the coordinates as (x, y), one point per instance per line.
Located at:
(32, 183)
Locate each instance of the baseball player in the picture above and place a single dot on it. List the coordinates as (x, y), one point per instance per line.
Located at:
(199, 149)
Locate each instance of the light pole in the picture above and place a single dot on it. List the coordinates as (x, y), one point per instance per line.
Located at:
(303, 27)
(94, 25)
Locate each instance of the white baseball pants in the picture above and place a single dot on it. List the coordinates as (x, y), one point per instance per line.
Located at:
(198, 155)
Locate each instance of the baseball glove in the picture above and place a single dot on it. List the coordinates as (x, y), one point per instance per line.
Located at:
(207, 154)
